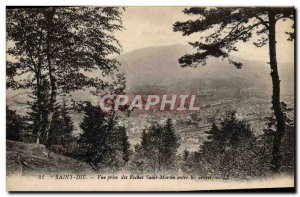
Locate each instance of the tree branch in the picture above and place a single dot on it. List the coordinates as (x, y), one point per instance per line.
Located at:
(262, 21)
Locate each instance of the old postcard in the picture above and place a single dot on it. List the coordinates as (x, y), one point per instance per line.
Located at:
(149, 98)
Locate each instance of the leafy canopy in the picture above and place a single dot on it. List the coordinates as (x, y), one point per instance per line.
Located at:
(78, 40)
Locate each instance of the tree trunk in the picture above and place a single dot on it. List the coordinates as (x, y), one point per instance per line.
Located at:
(51, 70)
(39, 130)
(280, 127)
(37, 71)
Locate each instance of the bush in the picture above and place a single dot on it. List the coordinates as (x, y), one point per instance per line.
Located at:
(14, 125)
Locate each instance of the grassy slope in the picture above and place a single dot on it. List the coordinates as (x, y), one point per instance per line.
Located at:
(33, 159)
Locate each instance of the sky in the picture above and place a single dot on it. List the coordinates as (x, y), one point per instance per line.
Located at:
(152, 26)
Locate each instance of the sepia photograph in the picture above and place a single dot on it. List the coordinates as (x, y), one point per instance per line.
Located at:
(150, 98)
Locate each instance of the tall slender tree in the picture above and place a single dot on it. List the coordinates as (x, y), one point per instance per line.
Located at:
(26, 62)
(170, 144)
(227, 26)
(124, 143)
(152, 145)
(39, 110)
(93, 140)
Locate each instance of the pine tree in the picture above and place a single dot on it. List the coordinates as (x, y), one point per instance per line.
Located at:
(233, 25)
(160, 144)
(152, 145)
(63, 122)
(211, 151)
(102, 143)
(137, 162)
(170, 144)
(186, 154)
(118, 149)
(93, 140)
(60, 133)
(230, 150)
(124, 143)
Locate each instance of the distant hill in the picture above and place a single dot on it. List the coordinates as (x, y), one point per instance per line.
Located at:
(158, 66)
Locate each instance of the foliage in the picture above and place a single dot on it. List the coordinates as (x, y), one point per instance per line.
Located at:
(158, 148)
(232, 151)
(39, 109)
(229, 25)
(81, 39)
(61, 139)
(287, 150)
(170, 145)
(229, 152)
(102, 143)
(14, 125)
(60, 46)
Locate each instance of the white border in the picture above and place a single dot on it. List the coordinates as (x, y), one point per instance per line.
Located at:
(155, 2)
(5, 3)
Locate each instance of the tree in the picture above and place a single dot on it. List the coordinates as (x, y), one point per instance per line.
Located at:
(185, 156)
(231, 25)
(39, 108)
(170, 144)
(14, 125)
(138, 162)
(27, 64)
(93, 140)
(103, 144)
(287, 148)
(230, 150)
(117, 148)
(61, 139)
(151, 142)
(124, 143)
(65, 44)
(159, 144)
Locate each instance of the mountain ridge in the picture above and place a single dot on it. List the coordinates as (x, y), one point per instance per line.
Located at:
(158, 65)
